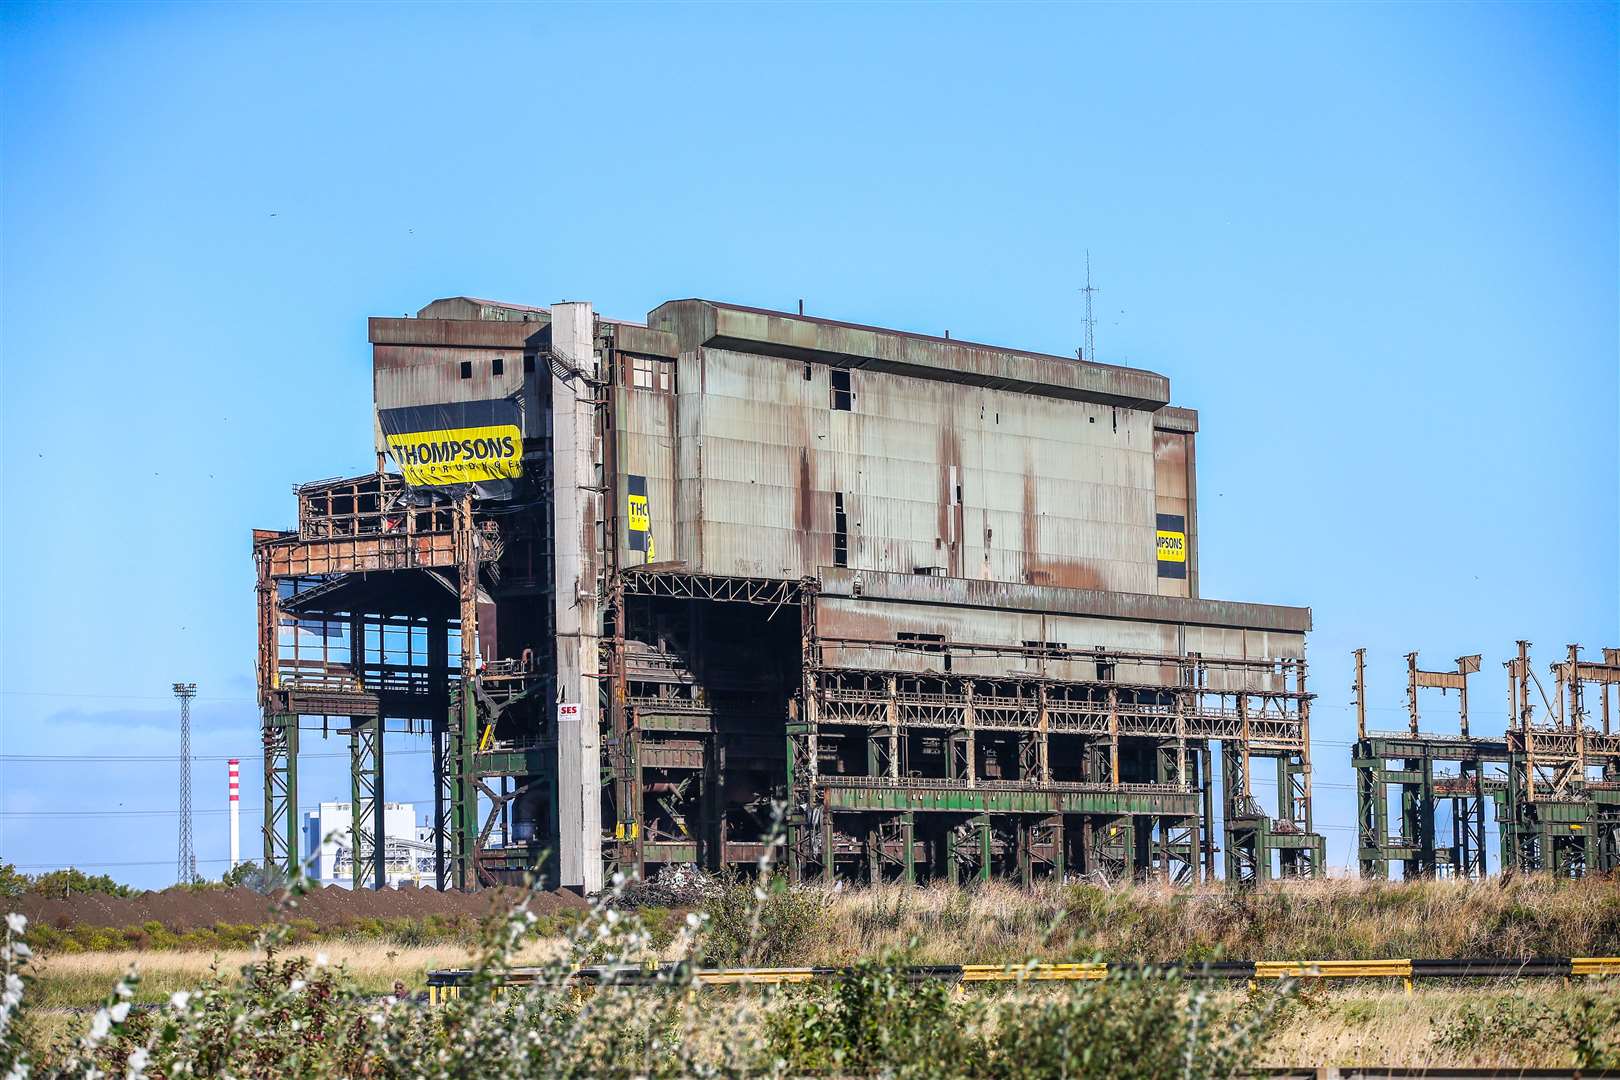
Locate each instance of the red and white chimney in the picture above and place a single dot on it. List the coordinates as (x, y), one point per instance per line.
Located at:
(235, 766)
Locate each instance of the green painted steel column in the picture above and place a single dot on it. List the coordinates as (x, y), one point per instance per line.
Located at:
(1426, 817)
(281, 825)
(464, 787)
(1021, 841)
(984, 847)
(368, 836)
(829, 858)
(274, 754)
(792, 825)
(908, 829)
(359, 785)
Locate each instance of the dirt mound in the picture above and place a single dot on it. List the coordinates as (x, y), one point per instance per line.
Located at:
(187, 909)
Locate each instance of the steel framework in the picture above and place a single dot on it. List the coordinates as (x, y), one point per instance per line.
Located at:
(731, 728)
(1555, 783)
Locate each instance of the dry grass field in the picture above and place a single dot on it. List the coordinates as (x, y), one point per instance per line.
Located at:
(1317, 920)
(1491, 1024)
(79, 980)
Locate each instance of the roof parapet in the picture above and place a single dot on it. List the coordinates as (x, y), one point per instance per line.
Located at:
(696, 323)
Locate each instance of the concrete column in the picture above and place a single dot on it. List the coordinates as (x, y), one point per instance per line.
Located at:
(576, 542)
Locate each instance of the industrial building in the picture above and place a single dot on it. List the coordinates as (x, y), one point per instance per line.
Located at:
(329, 843)
(732, 583)
(1553, 781)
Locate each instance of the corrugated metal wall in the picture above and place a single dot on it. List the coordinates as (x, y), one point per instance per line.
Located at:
(879, 620)
(970, 481)
(646, 448)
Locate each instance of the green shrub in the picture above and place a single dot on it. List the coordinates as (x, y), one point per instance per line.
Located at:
(876, 1022)
(1588, 1022)
(760, 923)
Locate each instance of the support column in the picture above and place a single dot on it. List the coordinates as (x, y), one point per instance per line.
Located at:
(1372, 814)
(874, 853)
(893, 710)
(970, 720)
(368, 834)
(281, 792)
(908, 832)
(984, 847)
(829, 856)
(576, 541)
(462, 746)
(439, 662)
(1044, 734)
(1206, 780)
(1023, 832)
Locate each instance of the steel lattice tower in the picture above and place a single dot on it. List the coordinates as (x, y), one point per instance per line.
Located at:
(186, 862)
(1090, 348)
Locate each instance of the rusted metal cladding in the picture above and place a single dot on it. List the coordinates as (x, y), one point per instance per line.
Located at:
(860, 609)
(697, 323)
(688, 459)
(438, 361)
(1249, 645)
(933, 477)
(961, 627)
(470, 307)
(1174, 500)
(843, 623)
(646, 452)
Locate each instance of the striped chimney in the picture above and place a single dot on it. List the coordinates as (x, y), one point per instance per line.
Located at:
(235, 766)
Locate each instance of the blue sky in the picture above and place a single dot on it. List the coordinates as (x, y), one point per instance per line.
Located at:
(1375, 246)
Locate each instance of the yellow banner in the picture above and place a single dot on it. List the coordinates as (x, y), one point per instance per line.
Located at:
(1172, 546)
(458, 455)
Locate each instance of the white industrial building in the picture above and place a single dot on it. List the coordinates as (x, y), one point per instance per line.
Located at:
(328, 837)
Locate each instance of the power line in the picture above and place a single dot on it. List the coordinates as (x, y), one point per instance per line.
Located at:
(119, 812)
(120, 697)
(150, 758)
(77, 864)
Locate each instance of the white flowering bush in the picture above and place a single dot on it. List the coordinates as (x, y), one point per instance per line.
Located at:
(285, 1016)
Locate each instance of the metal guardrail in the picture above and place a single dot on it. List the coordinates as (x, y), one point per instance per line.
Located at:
(448, 983)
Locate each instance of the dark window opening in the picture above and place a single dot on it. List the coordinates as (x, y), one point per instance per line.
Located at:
(1105, 671)
(497, 366)
(528, 365)
(466, 369)
(840, 531)
(921, 642)
(807, 373)
(842, 396)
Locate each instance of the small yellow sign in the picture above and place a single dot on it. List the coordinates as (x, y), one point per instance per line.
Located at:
(640, 517)
(1172, 546)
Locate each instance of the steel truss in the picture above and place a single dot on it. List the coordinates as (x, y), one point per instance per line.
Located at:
(1555, 783)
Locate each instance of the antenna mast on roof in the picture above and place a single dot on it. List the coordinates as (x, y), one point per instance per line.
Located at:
(1089, 351)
